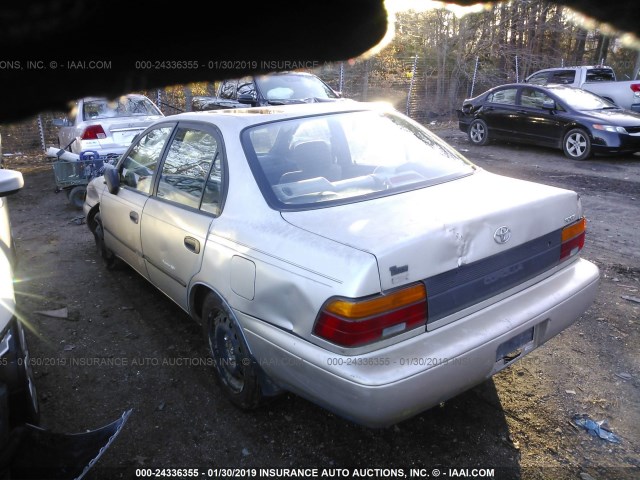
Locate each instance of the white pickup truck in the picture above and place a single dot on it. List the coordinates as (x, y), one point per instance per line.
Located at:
(600, 80)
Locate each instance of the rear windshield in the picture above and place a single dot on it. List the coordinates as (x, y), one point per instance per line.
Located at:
(122, 107)
(325, 160)
(600, 75)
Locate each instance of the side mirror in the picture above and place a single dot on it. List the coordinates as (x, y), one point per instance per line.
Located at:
(112, 179)
(10, 182)
(549, 105)
(246, 98)
(60, 122)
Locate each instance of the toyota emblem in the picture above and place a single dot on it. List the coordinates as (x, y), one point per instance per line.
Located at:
(502, 235)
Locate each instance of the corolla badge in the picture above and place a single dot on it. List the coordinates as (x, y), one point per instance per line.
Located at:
(502, 235)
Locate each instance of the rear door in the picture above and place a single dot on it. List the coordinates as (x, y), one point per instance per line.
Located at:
(177, 217)
(499, 111)
(122, 213)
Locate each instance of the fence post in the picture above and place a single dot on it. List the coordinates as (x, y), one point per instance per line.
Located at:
(413, 76)
(41, 131)
(341, 81)
(159, 99)
(473, 80)
(517, 72)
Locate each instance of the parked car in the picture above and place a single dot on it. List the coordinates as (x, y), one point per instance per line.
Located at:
(574, 120)
(105, 126)
(599, 79)
(273, 89)
(343, 252)
(29, 451)
(18, 399)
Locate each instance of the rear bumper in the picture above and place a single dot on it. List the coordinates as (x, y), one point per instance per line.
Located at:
(464, 120)
(395, 383)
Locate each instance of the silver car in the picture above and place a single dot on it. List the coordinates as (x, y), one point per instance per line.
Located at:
(18, 398)
(343, 252)
(106, 126)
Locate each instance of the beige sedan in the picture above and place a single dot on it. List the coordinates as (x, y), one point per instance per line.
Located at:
(343, 252)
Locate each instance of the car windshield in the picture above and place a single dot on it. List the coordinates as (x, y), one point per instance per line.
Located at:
(582, 100)
(332, 159)
(125, 106)
(293, 87)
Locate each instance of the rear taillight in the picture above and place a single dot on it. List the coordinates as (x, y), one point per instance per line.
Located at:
(573, 239)
(93, 132)
(353, 322)
(635, 87)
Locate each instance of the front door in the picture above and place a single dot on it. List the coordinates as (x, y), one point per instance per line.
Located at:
(121, 213)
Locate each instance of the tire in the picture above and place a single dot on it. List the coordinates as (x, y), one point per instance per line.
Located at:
(77, 195)
(576, 144)
(478, 132)
(236, 372)
(23, 399)
(111, 262)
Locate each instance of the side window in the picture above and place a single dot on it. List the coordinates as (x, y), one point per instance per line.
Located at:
(533, 98)
(228, 89)
(563, 77)
(246, 86)
(187, 177)
(142, 161)
(505, 97)
(539, 79)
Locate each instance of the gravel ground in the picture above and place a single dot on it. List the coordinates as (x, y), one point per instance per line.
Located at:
(124, 345)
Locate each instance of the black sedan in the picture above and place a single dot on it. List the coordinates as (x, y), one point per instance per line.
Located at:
(577, 121)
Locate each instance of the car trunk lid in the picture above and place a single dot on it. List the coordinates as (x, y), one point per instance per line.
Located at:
(123, 129)
(467, 239)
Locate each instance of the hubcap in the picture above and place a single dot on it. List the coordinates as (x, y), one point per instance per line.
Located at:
(227, 351)
(477, 132)
(576, 144)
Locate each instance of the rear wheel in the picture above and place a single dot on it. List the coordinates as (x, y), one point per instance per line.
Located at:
(478, 132)
(236, 372)
(576, 144)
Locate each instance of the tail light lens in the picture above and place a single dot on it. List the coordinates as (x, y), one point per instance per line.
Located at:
(93, 132)
(356, 322)
(635, 87)
(573, 239)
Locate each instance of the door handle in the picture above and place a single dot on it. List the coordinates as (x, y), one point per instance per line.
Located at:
(192, 244)
(133, 216)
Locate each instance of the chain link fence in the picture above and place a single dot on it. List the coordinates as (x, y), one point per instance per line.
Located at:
(409, 84)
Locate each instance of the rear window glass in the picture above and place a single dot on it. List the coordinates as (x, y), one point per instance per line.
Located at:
(600, 75)
(332, 159)
(122, 107)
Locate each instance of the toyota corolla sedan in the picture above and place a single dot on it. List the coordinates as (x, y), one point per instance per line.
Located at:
(343, 252)
(573, 120)
(106, 126)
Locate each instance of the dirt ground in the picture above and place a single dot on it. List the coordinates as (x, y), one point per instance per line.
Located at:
(124, 345)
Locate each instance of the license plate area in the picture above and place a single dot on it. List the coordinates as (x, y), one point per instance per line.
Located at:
(513, 349)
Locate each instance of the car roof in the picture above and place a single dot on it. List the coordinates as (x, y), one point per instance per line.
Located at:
(551, 86)
(257, 115)
(571, 67)
(128, 95)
